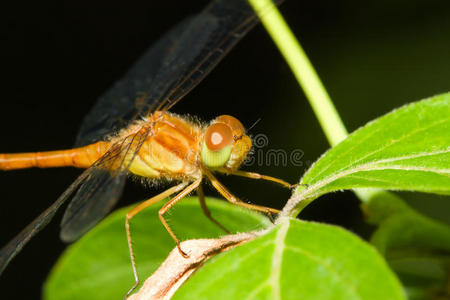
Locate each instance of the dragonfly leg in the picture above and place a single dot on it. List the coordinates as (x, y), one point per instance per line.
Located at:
(133, 212)
(171, 203)
(206, 211)
(254, 175)
(233, 199)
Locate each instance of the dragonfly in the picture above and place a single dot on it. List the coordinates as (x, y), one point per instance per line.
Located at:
(131, 131)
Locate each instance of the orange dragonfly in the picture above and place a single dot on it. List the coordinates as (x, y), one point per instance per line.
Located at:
(130, 131)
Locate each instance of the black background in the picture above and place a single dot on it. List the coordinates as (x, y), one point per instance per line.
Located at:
(56, 59)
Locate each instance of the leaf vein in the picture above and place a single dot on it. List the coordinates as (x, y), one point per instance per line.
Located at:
(236, 264)
(415, 155)
(256, 290)
(327, 266)
(393, 142)
(277, 259)
(360, 141)
(313, 190)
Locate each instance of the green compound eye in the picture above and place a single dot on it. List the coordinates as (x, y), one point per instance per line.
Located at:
(215, 159)
(217, 145)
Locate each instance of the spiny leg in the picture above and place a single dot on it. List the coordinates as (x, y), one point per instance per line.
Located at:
(133, 212)
(171, 203)
(206, 211)
(254, 175)
(233, 199)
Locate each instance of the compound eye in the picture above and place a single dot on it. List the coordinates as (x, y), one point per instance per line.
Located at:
(218, 136)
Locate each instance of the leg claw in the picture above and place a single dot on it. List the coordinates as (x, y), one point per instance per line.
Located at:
(181, 251)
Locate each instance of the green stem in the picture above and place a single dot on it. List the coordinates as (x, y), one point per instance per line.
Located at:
(303, 70)
(308, 79)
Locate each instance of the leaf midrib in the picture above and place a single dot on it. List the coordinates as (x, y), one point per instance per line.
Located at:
(393, 142)
(314, 190)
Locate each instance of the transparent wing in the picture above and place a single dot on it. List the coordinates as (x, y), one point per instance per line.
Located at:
(171, 68)
(19, 241)
(166, 72)
(101, 189)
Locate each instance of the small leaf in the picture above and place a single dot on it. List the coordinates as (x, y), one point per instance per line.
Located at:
(98, 265)
(407, 149)
(296, 260)
(416, 247)
(402, 227)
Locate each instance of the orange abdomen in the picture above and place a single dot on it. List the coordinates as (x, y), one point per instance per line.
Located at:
(171, 150)
(82, 157)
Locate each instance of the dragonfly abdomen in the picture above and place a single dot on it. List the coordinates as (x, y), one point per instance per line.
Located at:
(82, 157)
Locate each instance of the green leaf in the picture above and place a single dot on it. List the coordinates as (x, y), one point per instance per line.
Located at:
(416, 247)
(296, 260)
(98, 265)
(407, 149)
(402, 227)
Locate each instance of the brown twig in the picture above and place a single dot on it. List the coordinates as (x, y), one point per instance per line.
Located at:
(174, 271)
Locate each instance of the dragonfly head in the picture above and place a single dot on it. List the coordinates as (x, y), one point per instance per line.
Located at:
(225, 144)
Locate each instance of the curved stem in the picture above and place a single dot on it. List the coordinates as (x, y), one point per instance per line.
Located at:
(307, 77)
(303, 70)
